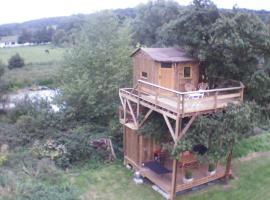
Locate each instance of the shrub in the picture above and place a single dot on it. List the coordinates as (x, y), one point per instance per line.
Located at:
(188, 174)
(15, 61)
(45, 192)
(211, 167)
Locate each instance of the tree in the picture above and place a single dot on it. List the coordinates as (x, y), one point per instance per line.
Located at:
(96, 67)
(59, 37)
(228, 43)
(26, 36)
(234, 124)
(150, 18)
(15, 61)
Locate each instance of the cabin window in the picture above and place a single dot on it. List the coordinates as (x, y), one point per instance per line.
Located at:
(187, 72)
(144, 75)
(166, 65)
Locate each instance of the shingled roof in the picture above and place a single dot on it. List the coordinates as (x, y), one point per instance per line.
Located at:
(171, 54)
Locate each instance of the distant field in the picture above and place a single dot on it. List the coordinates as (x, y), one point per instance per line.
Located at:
(33, 54)
(41, 68)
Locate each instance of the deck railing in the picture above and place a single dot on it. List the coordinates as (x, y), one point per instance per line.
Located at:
(165, 97)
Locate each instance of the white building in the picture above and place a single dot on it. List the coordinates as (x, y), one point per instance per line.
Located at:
(8, 41)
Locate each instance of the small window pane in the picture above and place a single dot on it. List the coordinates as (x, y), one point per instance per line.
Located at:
(166, 65)
(144, 74)
(187, 72)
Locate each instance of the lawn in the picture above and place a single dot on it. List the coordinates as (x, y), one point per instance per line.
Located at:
(114, 182)
(33, 54)
(41, 68)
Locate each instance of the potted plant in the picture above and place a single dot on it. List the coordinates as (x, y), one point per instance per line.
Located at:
(188, 176)
(211, 169)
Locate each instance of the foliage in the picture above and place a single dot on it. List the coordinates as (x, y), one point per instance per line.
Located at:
(258, 89)
(154, 127)
(231, 40)
(211, 167)
(150, 18)
(45, 192)
(2, 69)
(236, 123)
(49, 149)
(188, 174)
(15, 61)
(95, 68)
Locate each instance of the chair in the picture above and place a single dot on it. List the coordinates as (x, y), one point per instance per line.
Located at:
(203, 86)
(187, 158)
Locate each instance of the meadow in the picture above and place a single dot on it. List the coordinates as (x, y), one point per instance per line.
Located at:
(41, 68)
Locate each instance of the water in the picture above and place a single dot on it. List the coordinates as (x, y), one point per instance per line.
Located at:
(41, 93)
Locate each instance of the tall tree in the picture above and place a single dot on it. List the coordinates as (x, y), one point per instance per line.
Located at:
(228, 43)
(96, 67)
(150, 18)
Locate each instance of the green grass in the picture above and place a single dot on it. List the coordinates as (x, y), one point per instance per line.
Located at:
(114, 182)
(253, 144)
(41, 68)
(33, 54)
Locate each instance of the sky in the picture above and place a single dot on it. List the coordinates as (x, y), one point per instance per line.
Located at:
(13, 11)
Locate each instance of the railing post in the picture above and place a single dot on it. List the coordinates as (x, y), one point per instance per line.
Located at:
(242, 94)
(215, 101)
(183, 105)
(138, 102)
(178, 103)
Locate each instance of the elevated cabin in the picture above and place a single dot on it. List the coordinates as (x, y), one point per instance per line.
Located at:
(168, 81)
(167, 67)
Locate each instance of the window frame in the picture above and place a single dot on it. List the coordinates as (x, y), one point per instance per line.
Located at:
(143, 73)
(190, 71)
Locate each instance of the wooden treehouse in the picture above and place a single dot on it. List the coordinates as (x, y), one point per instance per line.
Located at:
(169, 82)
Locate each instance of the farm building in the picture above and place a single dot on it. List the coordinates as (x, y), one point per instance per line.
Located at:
(8, 41)
(169, 82)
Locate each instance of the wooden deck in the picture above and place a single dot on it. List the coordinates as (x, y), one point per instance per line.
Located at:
(200, 175)
(174, 103)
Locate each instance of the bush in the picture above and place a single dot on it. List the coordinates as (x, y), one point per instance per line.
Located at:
(211, 167)
(188, 174)
(45, 192)
(15, 61)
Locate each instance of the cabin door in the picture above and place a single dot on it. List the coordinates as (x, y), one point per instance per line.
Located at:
(166, 75)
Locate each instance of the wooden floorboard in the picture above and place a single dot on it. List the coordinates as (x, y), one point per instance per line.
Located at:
(200, 175)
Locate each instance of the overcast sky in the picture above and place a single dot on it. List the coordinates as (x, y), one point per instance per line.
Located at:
(24, 10)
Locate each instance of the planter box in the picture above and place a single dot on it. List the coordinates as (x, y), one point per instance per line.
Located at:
(211, 173)
(188, 180)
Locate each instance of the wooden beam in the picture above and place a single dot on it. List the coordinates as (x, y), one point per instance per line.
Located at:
(145, 117)
(170, 128)
(132, 113)
(183, 132)
(173, 183)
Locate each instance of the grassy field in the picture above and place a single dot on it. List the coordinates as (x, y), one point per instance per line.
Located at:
(33, 54)
(41, 68)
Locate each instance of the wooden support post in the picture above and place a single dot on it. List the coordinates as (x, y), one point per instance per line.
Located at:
(228, 166)
(183, 132)
(173, 184)
(215, 101)
(170, 128)
(125, 110)
(132, 113)
(145, 117)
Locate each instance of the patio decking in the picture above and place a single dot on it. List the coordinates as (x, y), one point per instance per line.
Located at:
(200, 175)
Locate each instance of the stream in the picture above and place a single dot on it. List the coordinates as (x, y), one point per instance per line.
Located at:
(39, 93)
